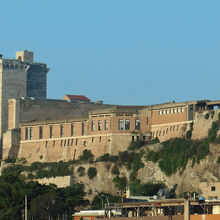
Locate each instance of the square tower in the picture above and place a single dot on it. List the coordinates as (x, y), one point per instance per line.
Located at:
(20, 77)
(25, 56)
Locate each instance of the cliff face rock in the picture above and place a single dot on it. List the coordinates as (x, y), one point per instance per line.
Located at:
(203, 122)
(207, 170)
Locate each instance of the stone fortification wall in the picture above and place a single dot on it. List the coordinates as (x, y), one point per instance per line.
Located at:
(49, 109)
(13, 85)
(71, 148)
(60, 181)
(37, 80)
(202, 124)
(167, 131)
(11, 143)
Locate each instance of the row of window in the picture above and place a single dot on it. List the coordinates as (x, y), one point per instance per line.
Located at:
(99, 125)
(170, 111)
(159, 133)
(29, 131)
(72, 142)
(124, 124)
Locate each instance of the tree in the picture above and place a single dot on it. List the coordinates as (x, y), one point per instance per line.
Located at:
(92, 172)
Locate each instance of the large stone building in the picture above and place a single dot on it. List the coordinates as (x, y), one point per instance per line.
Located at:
(53, 130)
(20, 77)
(41, 129)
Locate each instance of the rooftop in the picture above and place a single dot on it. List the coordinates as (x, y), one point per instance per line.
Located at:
(76, 97)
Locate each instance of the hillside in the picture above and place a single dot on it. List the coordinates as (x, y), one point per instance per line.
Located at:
(182, 161)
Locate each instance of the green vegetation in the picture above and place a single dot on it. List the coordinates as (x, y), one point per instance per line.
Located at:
(132, 160)
(189, 132)
(218, 160)
(81, 171)
(206, 116)
(108, 158)
(115, 170)
(148, 188)
(212, 134)
(86, 156)
(97, 201)
(176, 153)
(136, 165)
(136, 145)
(41, 170)
(153, 141)
(212, 114)
(120, 183)
(44, 201)
(92, 172)
(57, 169)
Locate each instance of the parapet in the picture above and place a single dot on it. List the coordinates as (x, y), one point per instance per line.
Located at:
(25, 56)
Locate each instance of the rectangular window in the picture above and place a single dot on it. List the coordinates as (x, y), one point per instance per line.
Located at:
(72, 129)
(30, 133)
(51, 131)
(61, 130)
(127, 124)
(132, 139)
(26, 133)
(83, 128)
(213, 188)
(93, 126)
(99, 125)
(40, 132)
(120, 124)
(106, 124)
(153, 134)
(137, 124)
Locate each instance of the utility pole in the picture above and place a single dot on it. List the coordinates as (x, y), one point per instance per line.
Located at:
(187, 209)
(25, 209)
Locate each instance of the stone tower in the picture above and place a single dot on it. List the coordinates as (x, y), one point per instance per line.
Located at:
(20, 77)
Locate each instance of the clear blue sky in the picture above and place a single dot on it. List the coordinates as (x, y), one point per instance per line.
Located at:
(137, 52)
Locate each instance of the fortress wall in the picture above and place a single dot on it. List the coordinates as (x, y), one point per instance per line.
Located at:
(171, 130)
(13, 85)
(54, 150)
(11, 143)
(169, 115)
(201, 125)
(48, 109)
(60, 181)
(119, 143)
